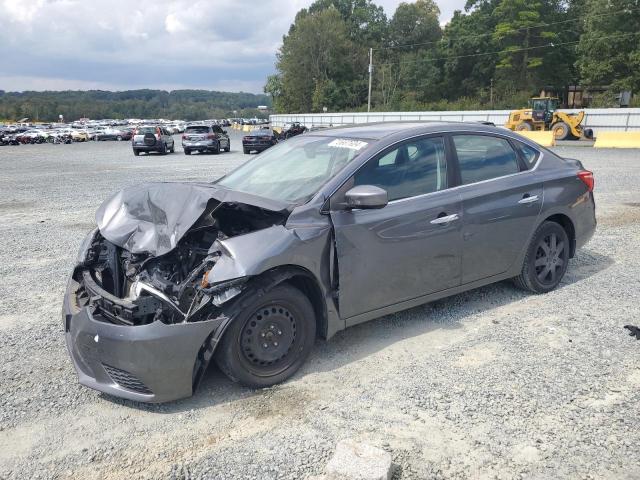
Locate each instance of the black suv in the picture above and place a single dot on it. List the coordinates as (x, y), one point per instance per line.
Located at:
(205, 138)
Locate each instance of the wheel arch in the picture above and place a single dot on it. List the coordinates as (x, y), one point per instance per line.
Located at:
(294, 275)
(567, 224)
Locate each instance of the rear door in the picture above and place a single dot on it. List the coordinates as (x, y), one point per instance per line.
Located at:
(412, 246)
(224, 138)
(501, 200)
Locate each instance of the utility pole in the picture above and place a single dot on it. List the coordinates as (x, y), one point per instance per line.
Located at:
(491, 94)
(370, 75)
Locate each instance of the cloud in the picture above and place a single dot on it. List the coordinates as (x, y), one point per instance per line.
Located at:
(119, 44)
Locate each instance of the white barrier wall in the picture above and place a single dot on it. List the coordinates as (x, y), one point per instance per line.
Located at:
(598, 119)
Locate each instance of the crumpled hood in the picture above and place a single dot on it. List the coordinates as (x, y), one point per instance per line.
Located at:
(153, 217)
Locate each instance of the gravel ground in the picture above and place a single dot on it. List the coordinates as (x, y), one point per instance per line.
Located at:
(492, 383)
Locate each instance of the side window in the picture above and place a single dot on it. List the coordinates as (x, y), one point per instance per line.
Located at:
(217, 129)
(414, 168)
(482, 157)
(529, 154)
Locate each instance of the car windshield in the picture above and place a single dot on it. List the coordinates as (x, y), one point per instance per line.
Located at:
(295, 170)
(199, 129)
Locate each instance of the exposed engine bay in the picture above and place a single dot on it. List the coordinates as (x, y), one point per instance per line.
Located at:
(139, 288)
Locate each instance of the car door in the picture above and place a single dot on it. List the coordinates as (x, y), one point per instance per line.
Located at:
(224, 138)
(409, 248)
(501, 200)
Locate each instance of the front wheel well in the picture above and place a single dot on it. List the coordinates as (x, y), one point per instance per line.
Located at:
(566, 223)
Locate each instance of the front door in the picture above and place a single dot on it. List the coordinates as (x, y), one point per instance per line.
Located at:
(412, 246)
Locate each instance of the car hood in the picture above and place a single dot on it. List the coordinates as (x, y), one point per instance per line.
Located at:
(153, 217)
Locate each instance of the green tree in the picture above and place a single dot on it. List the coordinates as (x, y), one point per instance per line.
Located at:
(318, 65)
(609, 48)
(366, 21)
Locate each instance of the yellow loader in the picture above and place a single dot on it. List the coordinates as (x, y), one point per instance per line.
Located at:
(542, 115)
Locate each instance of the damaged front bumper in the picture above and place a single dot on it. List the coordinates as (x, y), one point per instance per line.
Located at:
(155, 362)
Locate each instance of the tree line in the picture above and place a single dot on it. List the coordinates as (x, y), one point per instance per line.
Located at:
(494, 54)
(98, 104)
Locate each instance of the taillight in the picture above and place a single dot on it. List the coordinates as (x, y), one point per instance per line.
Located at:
(184, 136)
(212, 136)
(587, 178)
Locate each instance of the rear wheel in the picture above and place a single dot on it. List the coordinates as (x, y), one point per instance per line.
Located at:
(228, 147)
(216, 149)
(561, 131)
(524, 127)
(119, 138)
(173, 148)
(246, 151)
(163, 149)
(187, 151)
(136, 152)
(546, 261)
(270, 339)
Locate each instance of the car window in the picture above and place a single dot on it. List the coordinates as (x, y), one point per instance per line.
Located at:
(529, 154)
(145, 130)
(414, 168)
(197, 129)
(217, 129)
(482, 157)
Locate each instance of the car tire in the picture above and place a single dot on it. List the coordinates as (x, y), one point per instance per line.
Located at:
(284, 320)
(119, 138)
(246, 151)
(216, 149)
(173, 148)
(228, 147)
(546, 260)
(163, 149)
(136, 152)
(187, 151)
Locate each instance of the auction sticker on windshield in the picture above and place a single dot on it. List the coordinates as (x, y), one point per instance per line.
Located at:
(347, 143)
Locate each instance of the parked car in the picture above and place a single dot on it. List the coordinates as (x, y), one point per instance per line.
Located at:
(292, 130)
(205, 138)
(259, 140)
(113, 134)
(319, 233)
(152, 139)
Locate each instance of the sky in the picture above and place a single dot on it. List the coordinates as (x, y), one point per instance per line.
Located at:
(226, 45)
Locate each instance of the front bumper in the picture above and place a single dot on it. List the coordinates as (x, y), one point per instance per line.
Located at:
(148, 363)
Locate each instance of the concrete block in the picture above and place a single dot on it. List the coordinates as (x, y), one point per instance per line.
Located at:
(359, 461)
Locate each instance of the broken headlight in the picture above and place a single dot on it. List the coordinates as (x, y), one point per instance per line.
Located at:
(85, 247)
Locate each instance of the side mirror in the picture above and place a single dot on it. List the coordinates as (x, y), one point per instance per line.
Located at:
(366, 197)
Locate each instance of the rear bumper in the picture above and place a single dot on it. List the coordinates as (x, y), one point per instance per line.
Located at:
(256, 146)
(200, 145)
(584, 213)
(148, 363)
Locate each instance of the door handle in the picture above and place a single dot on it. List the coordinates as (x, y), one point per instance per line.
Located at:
(445, 219)
(529, 199)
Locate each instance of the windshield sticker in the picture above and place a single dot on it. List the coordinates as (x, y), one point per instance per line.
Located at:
(345, 143)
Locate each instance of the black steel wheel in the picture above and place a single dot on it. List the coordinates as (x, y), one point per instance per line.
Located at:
(269, 339)
(546, 260)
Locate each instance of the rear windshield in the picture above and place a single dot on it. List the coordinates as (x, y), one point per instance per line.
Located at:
(145, 130)
(200, 129)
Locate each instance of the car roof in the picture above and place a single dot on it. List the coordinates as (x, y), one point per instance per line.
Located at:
(378, 131)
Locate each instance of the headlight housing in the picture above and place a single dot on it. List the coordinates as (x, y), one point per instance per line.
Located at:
(85, 246)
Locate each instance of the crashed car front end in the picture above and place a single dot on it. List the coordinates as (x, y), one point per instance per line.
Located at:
(143, 308)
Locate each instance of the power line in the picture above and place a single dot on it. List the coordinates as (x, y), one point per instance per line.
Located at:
(482, 35)
(512, 50)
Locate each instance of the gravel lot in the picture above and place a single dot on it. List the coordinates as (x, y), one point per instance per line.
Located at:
(492, 383)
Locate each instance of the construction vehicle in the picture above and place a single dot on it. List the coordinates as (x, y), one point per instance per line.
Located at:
(543, 115)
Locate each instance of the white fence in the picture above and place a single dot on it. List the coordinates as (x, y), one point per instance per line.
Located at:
(599, 119)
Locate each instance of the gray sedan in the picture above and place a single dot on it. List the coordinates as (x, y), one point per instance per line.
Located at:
(324, 231)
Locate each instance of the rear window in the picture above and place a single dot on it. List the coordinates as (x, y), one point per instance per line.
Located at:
(529, 154)
(197, 129)
(483, 157)
(145, 130)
